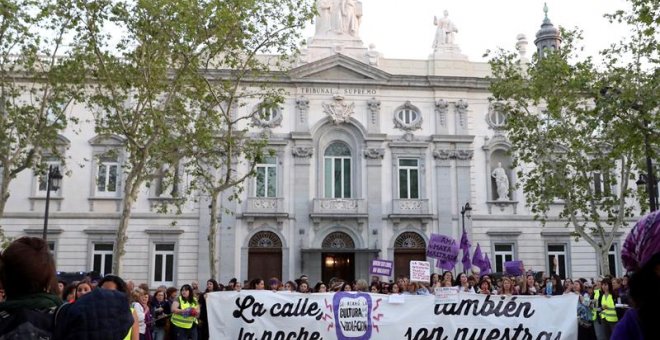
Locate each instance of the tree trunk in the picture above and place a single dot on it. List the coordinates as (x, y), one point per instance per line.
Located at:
(603, 253)
(130, 194)
(213, 230)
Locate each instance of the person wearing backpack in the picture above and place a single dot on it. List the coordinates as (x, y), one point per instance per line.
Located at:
(28, 276)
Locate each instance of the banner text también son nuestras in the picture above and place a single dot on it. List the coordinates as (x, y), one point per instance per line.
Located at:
(266, 315)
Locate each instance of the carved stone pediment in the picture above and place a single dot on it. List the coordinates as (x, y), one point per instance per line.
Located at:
(339, 111)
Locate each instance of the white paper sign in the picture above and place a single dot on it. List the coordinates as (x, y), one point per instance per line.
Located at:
(420, 271)
(261, 315)
(446, 294)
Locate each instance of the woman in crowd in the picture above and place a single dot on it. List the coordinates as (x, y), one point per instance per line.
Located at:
(485, 287)
(529, 286)
(447, 276)
(641, 255)
(507, 287)
(171, 294)
(385, 288)
(374, 287)
(345, 287)
(211, 286)
(606, 311)
(553, 286)
(274, 284)
(303, 287)
(83, 287)
(320, 287)
(27, 273)
(435, 280)
(585, 325)
(69, 293)
(140, 298)
(361, 286)
(396, 288)
(160, 311)
(290, 286)
(184, 312)
(462, 282)
(257, 284)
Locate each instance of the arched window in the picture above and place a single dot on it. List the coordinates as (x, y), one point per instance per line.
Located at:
(337, 170)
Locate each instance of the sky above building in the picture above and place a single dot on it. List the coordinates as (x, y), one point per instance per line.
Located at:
(404, 28)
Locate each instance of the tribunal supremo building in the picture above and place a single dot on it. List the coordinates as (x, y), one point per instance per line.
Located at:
(372, 155)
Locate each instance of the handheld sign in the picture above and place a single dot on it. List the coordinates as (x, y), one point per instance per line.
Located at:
(443, 248)
(420, 271)
(381, 267)
(446, 294)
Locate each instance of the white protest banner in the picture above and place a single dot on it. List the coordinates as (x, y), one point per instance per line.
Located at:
(267, 315)
(420, 271)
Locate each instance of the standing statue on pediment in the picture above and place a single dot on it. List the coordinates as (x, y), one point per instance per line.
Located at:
(345, 17)
(324, 19)
(446, 31)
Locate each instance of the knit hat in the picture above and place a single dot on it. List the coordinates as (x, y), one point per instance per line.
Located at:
(642, 242)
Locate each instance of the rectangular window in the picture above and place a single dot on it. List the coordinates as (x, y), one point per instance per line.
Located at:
(601, 186)
(266, 178)
(163, 264)
(337, 171)
(106, 178)
(613, 260)
(503, 253)
(102, 258)
(42, 179)
(408, 178)
(557, 259)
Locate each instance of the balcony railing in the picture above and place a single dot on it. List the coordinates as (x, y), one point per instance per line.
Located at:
(340, 206)
(410, 206)
(265, 206)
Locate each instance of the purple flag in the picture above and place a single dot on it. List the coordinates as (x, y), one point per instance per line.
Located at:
(487, 267)
(465, 245)
(446, 265)
(477, 258)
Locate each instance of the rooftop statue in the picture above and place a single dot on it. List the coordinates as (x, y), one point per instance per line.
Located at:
(338, 17)
(445, 33)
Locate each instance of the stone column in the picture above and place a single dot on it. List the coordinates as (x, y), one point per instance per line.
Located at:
(373, 119)
(302, 156)
(443, 189)
(463, 182)
(374, 157)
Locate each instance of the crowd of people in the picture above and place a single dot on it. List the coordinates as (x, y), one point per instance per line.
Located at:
(34, 305)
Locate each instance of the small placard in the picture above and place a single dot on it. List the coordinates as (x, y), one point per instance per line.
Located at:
(420, 271)
(446, 294)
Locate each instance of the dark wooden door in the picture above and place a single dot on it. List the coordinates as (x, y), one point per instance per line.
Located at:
(265, 263)
(338, 265)
(402, 260)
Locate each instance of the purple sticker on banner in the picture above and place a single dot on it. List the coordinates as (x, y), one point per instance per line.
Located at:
(352, 315)
(442, 248)
(381, 267)
(514, 268)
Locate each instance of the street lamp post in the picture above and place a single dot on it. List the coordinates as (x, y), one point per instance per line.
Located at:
(649, 178)
(466, 210)
(53, 181)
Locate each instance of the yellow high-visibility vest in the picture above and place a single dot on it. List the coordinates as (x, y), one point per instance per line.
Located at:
(608, 314)
(183, 321)
(130, 330)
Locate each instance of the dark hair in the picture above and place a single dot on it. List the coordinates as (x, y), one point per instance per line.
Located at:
(27, 267)
(191, 296)
(69, 289)
(607, 282)
(169, 291)
(646, 296)
(490, 286)
(317, 286)
(457, 282)
(215, 288)
(118, 281)
(255, 282)
(435, 275)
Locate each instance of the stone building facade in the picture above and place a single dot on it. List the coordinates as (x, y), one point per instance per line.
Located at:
(372, 155)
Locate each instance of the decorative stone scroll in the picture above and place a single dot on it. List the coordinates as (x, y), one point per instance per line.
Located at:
(445, 154)
(374, 153)
(373, 105)
(461, 111)
(441, 108)
(302, 105)
(339, 111)
(302, 151)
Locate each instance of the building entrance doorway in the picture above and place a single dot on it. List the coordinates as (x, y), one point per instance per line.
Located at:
(409, 246)
(265, 256)
(338, 266)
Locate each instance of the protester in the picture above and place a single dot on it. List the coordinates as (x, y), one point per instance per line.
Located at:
(320, 287)
(83, 287)
(641, 255)
(257, 284)
(102, 314)
(184, 312)
(211, 286)
(160, 312)
(27, 274)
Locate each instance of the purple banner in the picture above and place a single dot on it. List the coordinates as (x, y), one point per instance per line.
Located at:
(443, 248)
(381, 267)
